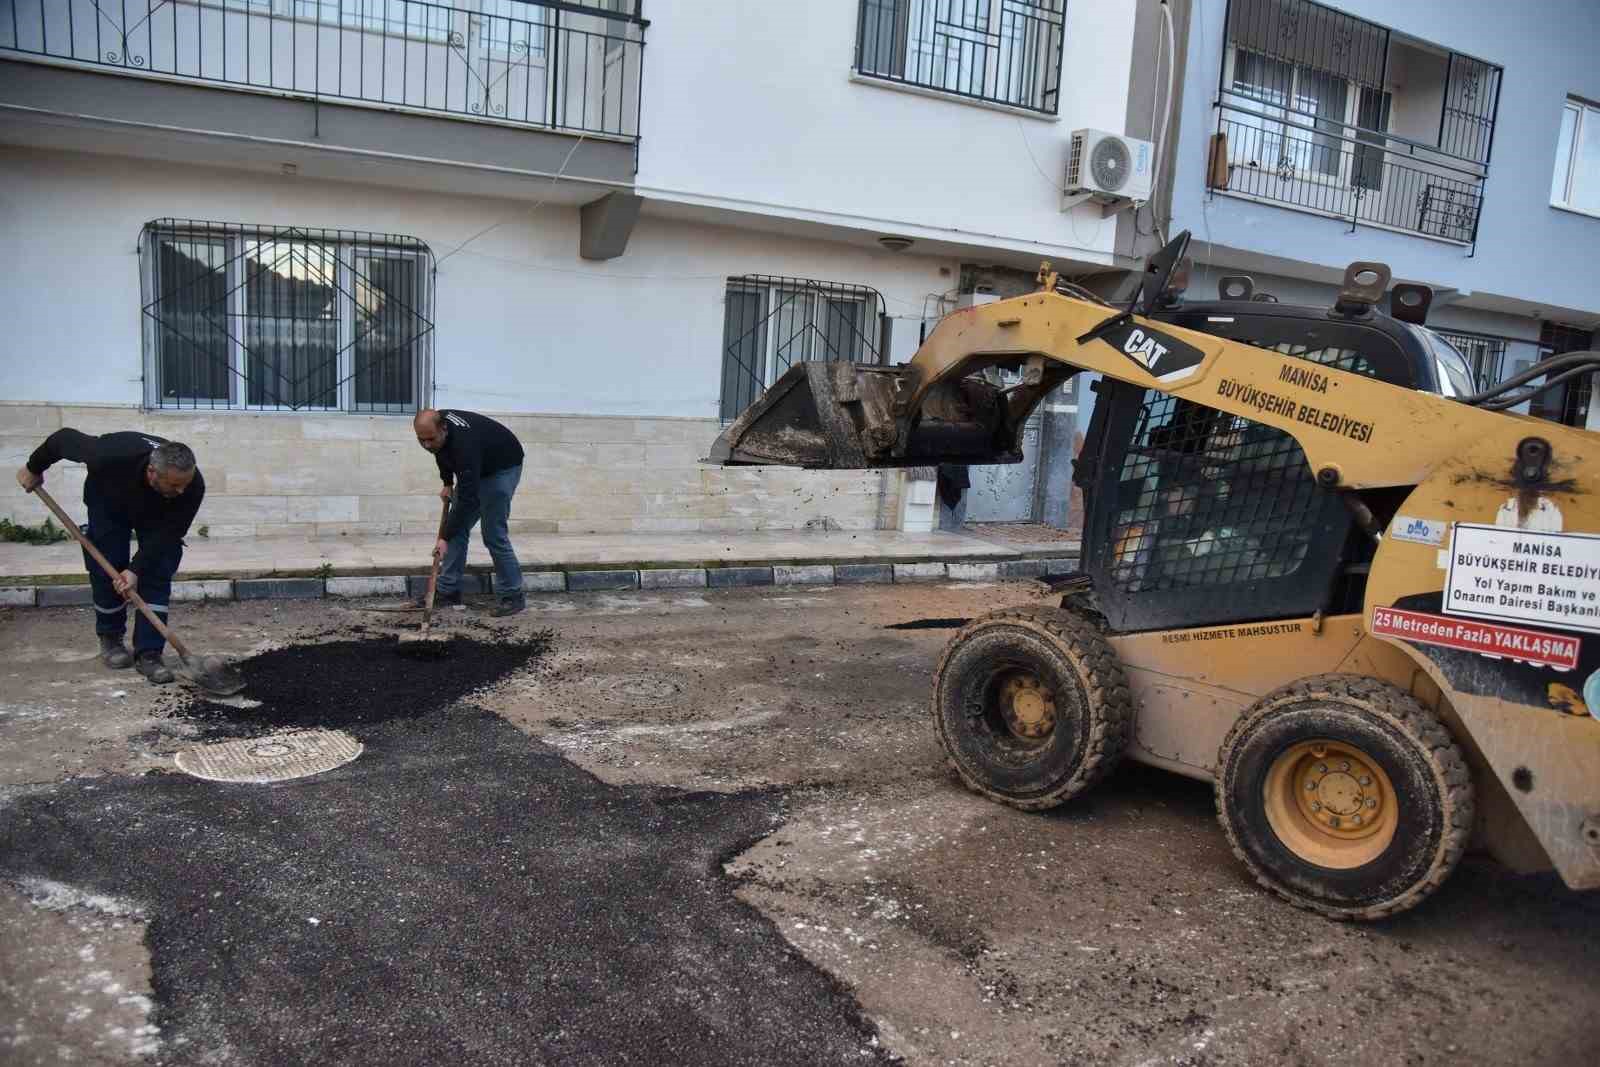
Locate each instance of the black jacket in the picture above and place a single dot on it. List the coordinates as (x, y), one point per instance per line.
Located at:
(117, 463)
(475, 445)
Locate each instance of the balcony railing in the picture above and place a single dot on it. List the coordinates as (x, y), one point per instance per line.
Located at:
(560, 65)
(1332, 114)
(1358, 177)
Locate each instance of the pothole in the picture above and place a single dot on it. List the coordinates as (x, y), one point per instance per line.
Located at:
(273, 758)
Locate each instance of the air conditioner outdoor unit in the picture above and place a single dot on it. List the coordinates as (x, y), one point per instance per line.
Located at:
(1107, 168)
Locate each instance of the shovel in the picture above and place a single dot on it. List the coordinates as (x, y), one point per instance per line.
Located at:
(211, 673)
(422, 637)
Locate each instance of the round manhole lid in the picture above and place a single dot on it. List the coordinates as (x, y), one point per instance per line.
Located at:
(275, 758)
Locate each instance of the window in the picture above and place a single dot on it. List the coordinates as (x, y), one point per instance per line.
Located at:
(770, 324)
(285, 318)
(1576, 182)
(1484, 355)
(1005, 51)
(1292, 118)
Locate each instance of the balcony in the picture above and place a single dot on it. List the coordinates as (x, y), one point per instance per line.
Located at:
(1336, 116)
(570, 67)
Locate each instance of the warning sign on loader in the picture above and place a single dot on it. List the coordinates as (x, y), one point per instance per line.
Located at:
(1547, 578)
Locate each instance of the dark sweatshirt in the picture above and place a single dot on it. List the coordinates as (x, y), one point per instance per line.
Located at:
(475, 445)
(117, 463)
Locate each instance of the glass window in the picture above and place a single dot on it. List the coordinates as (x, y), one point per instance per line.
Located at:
(263, 317)
(1576, 180)
(770, 324)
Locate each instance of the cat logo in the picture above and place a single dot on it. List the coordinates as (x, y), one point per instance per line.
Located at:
(1166, 358)
(1144, 348)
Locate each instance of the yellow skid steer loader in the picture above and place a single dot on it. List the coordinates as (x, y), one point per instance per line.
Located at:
(1320, 569)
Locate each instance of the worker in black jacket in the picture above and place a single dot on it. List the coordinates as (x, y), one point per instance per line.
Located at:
(137, 482)
(480, 463)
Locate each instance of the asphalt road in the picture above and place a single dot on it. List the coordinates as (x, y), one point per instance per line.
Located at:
(707, 828)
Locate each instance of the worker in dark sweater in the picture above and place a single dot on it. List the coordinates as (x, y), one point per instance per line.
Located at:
(480, 462)
(137, 483)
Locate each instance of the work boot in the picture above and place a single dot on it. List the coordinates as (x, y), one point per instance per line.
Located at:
(510, 605)
(113, 653)
(441, 599)
(150, 665)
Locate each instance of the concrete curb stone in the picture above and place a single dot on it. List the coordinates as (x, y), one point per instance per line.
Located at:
(189, 592)
(278, 589)
(673, 578)
(738, 577)
(1022, 568)
(860, 573)
(65, 596)
(919, 572)
(357, 587)
(601, 581)
(812, 575)
(19, 597)
(973, 572)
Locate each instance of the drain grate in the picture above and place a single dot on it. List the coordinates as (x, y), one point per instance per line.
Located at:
(273, 758)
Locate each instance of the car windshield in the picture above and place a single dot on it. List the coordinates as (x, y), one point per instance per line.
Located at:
(1455, 373)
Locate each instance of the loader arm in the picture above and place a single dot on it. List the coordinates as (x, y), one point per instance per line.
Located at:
(1356, 432)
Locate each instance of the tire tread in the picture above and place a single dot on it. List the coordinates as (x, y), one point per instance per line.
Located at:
(1423, 728)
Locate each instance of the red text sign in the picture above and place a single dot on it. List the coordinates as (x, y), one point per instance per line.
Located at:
(1533, 646)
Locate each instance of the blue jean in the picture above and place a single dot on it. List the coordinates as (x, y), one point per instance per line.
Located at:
(112, 535)
(494, 509)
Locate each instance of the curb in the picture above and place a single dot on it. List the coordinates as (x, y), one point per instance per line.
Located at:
(649, 579)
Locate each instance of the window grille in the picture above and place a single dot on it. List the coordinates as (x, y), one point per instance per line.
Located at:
(1004, 51)
(770, 323)
(285, 318)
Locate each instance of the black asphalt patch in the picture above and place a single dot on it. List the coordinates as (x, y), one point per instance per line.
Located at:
(460, 894)
(928, 624)
(349, 684)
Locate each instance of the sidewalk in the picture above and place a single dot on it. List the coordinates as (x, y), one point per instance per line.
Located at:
(226, 568)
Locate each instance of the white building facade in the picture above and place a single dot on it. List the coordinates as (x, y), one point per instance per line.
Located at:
(274, 228)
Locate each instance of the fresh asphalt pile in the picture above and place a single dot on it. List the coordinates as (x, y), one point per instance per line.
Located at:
(357, 681)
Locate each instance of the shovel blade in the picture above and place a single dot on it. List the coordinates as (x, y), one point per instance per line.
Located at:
(213, 674)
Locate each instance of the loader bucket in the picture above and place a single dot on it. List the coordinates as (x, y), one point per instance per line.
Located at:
(840, 416)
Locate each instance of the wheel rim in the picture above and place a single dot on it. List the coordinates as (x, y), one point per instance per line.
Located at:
(1021, 707)
(1331, 804)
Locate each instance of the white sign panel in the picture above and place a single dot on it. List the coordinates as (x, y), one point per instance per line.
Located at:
(1547, 578)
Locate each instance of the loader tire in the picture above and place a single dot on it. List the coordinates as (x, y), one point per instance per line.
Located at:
(1031, 706)
(1343, 795)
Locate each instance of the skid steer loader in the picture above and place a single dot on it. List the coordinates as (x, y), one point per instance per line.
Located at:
(1320, 570)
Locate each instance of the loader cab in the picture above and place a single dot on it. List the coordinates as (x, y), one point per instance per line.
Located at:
(1195, 517)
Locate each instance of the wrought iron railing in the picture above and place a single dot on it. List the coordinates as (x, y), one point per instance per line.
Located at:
(1358, 179)
(771, 323)
(563, 65)
(1314, 118)
(1003, 51)
(285, 318)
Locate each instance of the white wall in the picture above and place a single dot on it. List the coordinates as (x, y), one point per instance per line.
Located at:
(522, 324)
(751, 106)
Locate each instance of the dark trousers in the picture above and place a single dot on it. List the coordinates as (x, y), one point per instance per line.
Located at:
(112, 534)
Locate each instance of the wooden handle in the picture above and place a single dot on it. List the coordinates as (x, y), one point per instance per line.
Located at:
(433, 575)
(132, 597)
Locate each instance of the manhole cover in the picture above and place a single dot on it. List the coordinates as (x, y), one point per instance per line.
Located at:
(275, 758)
(643, 691)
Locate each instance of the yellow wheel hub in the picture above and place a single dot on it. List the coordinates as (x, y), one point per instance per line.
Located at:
(1331, 804)
(1028, 707)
